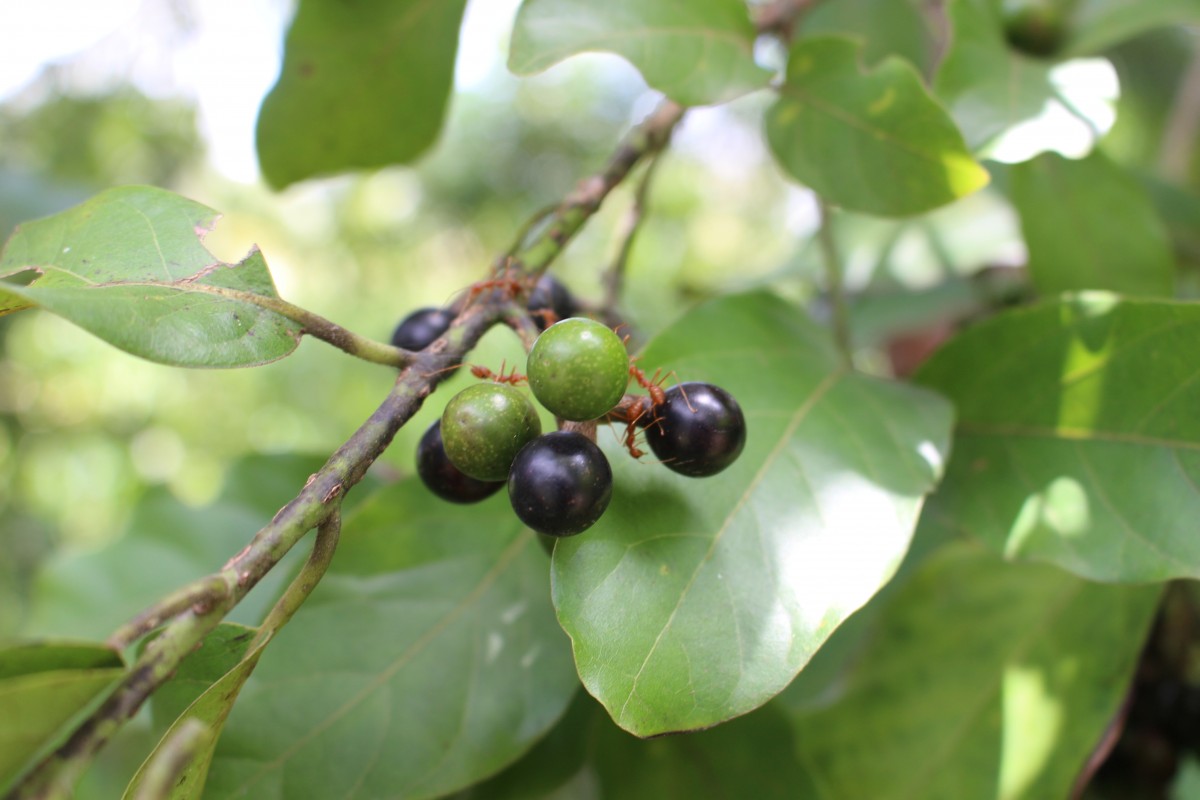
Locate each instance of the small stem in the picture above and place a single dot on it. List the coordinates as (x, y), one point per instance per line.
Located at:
(172, 758)
(324, 546)
(208, 589)
(318, 327)
(615, 279)
(650, 136)
(1183, 125)
(836, 288)
(517, 317)
(539, 217)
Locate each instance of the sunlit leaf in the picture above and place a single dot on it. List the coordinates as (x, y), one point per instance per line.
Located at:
(1077, 440)
(695, 600)
(696, 53)
(869, 140)
(363, 85)
(427, 658)
(130, 266)
(983, 679)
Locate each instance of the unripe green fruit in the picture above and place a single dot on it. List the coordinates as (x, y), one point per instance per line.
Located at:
(578, 369)
(483, 428)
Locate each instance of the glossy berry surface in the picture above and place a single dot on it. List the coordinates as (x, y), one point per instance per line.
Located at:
(484, 426)
(444, 479)
(421, 328)
(560, 483)
(578, 369)
(549, 295)
(698, 431)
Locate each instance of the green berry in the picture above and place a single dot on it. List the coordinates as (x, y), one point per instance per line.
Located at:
(483, 428)
(578, 369)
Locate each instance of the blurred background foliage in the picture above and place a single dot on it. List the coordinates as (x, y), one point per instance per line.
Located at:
(87, 431)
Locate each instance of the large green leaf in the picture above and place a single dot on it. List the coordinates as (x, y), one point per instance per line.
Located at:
(988, 87)
(166, 545)
(1098, 24)
(869, 140)
(694, 601)
(887, 27)
(130, 267)
(984, 679)
(427, 659)
(42, 687)
(697, 52)
(204, 688)
(1077, 438)
(1089, 224)
(586, 757)
(363, 85)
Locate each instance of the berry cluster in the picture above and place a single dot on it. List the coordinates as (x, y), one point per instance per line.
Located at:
(560, 483)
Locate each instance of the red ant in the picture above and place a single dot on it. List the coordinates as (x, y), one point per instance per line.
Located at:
(512, 378)
(507, 281)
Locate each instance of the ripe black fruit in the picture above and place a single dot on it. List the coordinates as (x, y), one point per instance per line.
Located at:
(698, 431)
(442, 477)
(560, 483)
(550, 295)
(421, 328)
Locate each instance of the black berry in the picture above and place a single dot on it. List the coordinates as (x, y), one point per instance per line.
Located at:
(560, 483)
(421, 328)
(550, 296)
(698, 431)
(442, 477)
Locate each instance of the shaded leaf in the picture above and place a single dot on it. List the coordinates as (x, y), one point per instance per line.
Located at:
(690, 603)
(129, 266)
(42, 688)
(983, 679)
(427, 658)
(363, 85)
(987, 87)
(1089, 224)
(696, 53)
(204, 689)
(887, 28)
(165, 546)
(869, 140)
(752, 756)
(1099, 24)
(1077, 440)
(585, 756)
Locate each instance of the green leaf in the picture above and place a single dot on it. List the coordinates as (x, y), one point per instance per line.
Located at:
(363, 85)
(984, 679)
(751, 757)
(165, 546)
(586, 756)
(696, 53)
(1077, 439)
(988, 87)
(692, 602)
(427, 658)
(1089, 224)
(129, 266)
(887, 27)
(204, 688)
(42, 687)
(1099, 24)
(868, 140)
